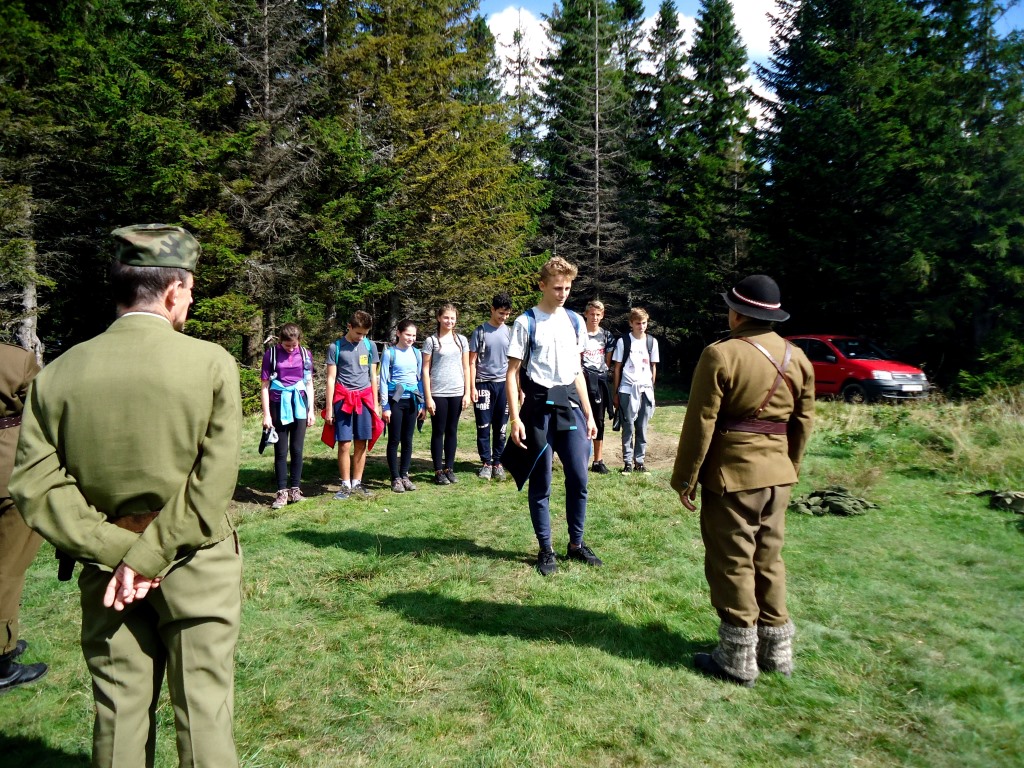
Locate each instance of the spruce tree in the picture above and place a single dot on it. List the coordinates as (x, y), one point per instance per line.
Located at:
(586, 112)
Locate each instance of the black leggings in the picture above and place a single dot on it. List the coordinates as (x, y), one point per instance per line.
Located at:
(444, 431)
(290, 439)
(400, 431)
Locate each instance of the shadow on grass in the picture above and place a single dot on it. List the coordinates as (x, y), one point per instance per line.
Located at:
(360, 541)
(26, 751)
(320, 477)
(553, 623)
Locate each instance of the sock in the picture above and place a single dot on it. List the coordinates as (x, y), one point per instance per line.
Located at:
(346, 483)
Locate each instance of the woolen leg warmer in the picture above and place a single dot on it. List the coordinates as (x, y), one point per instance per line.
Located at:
(737, 651)
(775, 648)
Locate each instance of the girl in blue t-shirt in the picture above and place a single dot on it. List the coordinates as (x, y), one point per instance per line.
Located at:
(286, 396)
(401, 396)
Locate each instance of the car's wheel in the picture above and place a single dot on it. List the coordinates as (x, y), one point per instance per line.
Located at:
(855, 393)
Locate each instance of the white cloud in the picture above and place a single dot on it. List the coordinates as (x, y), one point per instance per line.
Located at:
(503, 26)
(751, 20)
(755, 28)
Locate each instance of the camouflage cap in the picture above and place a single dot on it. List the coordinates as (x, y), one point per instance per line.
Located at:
(156, 245)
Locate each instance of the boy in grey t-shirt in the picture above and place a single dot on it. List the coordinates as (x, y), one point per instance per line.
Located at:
(488, 364)
(352, 402)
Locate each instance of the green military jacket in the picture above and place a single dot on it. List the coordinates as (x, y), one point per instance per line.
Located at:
(17, 369)
(731, 380)
(139, 419)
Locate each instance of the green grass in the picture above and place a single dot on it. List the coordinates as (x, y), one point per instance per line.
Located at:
(411, 630)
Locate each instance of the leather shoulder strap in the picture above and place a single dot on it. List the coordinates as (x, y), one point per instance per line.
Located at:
(780, 375)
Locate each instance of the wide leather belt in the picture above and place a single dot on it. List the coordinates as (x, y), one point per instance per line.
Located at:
(134, 523)
(10, 421)
(757, 426)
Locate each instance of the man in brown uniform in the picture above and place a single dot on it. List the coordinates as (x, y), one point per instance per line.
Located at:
(746, 427)
(18, 542)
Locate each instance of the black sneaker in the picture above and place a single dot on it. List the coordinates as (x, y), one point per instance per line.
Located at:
(599, 467)
(450, 474)
(584, 554)
(627, 469)
(640, 468)
(441, 478)
(546, 562)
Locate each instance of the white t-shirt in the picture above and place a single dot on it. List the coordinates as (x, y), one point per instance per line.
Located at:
(555, 358)
(636, 372)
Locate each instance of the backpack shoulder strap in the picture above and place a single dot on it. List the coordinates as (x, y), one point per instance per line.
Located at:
(650, 345)
(627, 339)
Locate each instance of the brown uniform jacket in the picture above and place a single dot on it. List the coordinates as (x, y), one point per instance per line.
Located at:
(17, 369)
(731, 381)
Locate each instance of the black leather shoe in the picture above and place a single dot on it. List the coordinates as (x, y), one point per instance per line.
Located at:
(706, 665)
(13, 674)
(19, 648)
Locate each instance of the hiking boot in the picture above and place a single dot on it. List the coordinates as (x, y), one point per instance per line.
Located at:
(342, 494)
(485, 473)
(361, 490)
(547, 564)
(397, 486)
(584, 554)
(600, 468)
(295, 496)
(640, 468)
(706, 665)
(441, 478)
(627, 469)
(498, 472)
(407, 483)
(280, 500)
(450, 474)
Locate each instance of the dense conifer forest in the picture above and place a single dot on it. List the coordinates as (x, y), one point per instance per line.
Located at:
(387, 156)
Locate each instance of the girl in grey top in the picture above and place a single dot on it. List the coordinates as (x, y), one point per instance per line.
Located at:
(446, 389)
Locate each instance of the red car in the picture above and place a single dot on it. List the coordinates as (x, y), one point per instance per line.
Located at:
(858, 370)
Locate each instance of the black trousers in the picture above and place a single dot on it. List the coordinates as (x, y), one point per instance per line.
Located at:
(400, 432)
(444, 431)
(290, 440)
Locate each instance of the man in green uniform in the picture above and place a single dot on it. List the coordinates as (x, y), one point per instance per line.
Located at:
(18, 542)
(746, 427)
(127, 462)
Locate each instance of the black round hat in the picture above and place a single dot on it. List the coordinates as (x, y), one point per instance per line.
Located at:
(757, 296)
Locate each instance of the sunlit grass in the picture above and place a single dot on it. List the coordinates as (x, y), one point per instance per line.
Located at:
(411, 629)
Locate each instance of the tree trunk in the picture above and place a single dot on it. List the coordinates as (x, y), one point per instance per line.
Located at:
(28, 330)
(252, 342)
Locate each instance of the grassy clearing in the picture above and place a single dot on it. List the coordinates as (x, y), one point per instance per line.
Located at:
(411, 630)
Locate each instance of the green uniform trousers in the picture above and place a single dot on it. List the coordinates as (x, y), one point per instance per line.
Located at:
(188, 626)
(18, 546)
(743, 532)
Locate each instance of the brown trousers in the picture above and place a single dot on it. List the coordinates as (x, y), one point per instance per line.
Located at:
(18, 546)
(743, 534)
